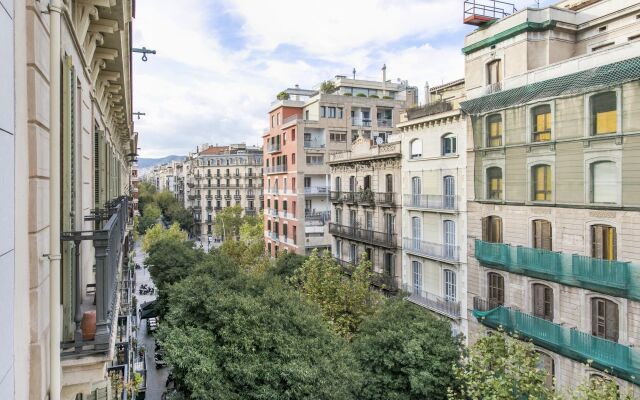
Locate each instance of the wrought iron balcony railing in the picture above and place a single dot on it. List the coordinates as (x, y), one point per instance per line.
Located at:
(110, 244)
(442, 252)
(441, 305)
(382, 239)
(612, 277)
(614, 358)
(431, 201)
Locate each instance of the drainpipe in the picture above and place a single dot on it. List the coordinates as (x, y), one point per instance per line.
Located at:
(55, 10)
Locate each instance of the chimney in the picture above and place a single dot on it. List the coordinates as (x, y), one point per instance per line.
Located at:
(384, 80)
(297, 95)
(427, 96)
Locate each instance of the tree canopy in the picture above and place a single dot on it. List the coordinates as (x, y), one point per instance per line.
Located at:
(244, 337)
(150, 216)
(406, 353)
(158, 232)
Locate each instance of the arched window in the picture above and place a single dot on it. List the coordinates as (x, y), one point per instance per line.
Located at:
(494, 130)
(603, 182)
(388, 183)
(449, 239)
(492, 229)
(416, 228)
(542, 235)
(494, 72)
(603, 242)
(543, 301)
(495, 289)
(416, 190)
(541, 123)
(494, 183)
(604, 113)
(416, 272)
(604, 319)
(541, 183)
(449, 285)
(416, 148)
(546, 363)
(448, 192)
(448, 144)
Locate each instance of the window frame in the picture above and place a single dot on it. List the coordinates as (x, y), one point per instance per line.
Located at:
(494, 289)
(412, 155)
(487, 185)
(537, 236)
(548, 182)
(453, 145)
(487, 131)
(533, 123)
(591, 192)
(588, 109)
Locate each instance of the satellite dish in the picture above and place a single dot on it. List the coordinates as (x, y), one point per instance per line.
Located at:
(379, 140)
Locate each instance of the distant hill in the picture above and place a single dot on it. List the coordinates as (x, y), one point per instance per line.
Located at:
(146, 163)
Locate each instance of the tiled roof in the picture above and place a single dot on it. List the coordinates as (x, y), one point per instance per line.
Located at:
(213, 150)
(579, 82)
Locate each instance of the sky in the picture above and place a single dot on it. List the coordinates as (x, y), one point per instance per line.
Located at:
(220, 63)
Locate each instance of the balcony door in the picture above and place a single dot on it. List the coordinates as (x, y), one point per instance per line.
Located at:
(390, 225)
(542, 234)
(543, 301)
(496, 289)
(449, 238)
(338, 186)
(604, 319)
(353, 253)
(352, 218)
(352, 183)
(416, 190)
(416, 269)
(449, 192)
(416, 232)
(449, 285)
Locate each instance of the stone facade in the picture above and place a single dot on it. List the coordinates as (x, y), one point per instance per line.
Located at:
(552, 204)
(434, 204)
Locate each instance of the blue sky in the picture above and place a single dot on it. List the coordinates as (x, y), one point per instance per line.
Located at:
(221, 62)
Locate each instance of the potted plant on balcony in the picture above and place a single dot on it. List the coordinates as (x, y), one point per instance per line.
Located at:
(283, 96)
(365, 195)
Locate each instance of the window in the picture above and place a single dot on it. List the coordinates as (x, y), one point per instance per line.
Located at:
(449, 239)
(448, 144)
(353, 253)
(494, 130)
(494, 183)
(603, 182)
(604, 113)
(323, 111)
(338, 216)
(541, 179)
(352, 183)
(541, 123)
(604, 319)
(496, 289)
(416, 148)
(388, 179)
(332, 112)
(449, 285)
(492, 229)
(546, 363)
(340, 113)
(367, 182)
(368, 217)
(416, 268)
(338, 137)
(542, 238)
(603, 242)
(293, 158)
(494, 72)
(448, 192)
(543, 301)
(339, 249)
(314, 159)
(416, 231)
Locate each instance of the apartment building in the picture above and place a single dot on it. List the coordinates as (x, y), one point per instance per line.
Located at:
(434, 244)
(366, 208)
(305, 128)
(222, 176)
(553, 211)
(66, 133)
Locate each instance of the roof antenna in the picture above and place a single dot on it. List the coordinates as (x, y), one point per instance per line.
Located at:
(354, 73)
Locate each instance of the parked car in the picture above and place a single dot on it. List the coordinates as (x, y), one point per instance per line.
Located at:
(158, 357)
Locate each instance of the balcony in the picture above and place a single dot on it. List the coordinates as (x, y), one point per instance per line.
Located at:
(316, 190)
(385, 199)
(276, 169)
(360, 122)
(250, 211)
(110, 244)
(317, 218)
(273, 148)
(218, 197)
(480, 12)
(208, 197)
(251, 195)
(273, 236)
(432, 302)
(605, 355)
(272, 212)
(379, 280)
(441, 252)
(616, 278)
(382, 239)
(314, 144)
(192, 197)
(237, 197)
(431, 202)
(385, 123)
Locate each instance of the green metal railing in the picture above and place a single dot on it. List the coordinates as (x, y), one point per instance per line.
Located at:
(605, 355)
(616, 278)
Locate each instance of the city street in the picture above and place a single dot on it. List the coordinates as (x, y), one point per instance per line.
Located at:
(156, 378)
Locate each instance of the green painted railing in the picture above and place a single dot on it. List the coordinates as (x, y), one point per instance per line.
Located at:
(616, 278)
(605, 355)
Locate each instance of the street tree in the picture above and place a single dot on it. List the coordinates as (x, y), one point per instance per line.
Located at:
(228, 221)
(229, 335)
(286, 264)
(146, 191)
(178, 214)
(164, 200)
(158, 232)
(344, 300)
(248, 252)
(501, 367)
(405, 353)
(150, 216)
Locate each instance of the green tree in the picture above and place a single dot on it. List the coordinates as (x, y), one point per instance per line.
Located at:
(328, 87)
(406, 352)
(501, 367)
(598, 388)
(344, 301)
(158, 232)
(164, 200)
(229, 335)
(228, 221)
(178, 214)
(146, 191)
(248, 252)
(286, 264)
(150, 215)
